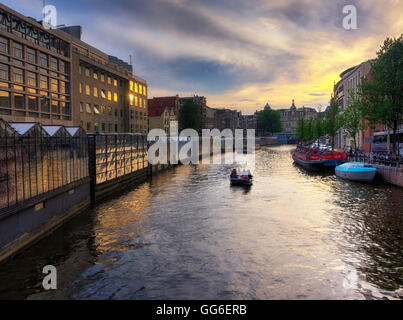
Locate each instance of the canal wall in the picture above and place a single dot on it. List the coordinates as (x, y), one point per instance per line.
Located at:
(47, 175)
(27, 223)
(391, 175)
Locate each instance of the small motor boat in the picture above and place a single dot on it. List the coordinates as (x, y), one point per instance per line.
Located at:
(241, 178)
(356, 171)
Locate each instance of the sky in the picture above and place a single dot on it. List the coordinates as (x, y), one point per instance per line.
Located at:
(238, 54)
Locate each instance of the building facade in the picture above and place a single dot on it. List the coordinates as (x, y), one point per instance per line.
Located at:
(163, 110)
(52, 77)
(350, 81)
(289, 118)
(35, 71)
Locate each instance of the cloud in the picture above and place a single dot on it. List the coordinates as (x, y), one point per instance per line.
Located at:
(237, 53)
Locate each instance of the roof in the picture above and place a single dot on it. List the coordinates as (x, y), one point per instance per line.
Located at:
(156, 106)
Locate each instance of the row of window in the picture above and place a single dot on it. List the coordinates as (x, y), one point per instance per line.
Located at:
(43, 60)
(100, 76)
(32, 79)
(103, 110)
(22, 101)
(104, 94)
(138, 88)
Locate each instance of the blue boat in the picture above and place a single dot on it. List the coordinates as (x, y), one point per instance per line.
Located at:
(356, 171)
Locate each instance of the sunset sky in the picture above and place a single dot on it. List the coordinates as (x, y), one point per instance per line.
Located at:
(239, 54)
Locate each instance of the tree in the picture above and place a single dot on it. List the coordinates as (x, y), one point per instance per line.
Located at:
(189, 115)
(308, 132)
(318, 128)
(352, 117)
(332, 121)
(300, 130)
(383, 95)
(270, 120)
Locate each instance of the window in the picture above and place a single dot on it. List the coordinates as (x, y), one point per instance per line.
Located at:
(136, 89)
(131, 85)
(87, 90)
(54, 85)
(96, 126)
(110, 111)
(115, 82)
(109, 95)
(81, 107)
(79, 69)
(103, 127)
(144, 91)
(18, 75)
(55, 106)
(103, 109)
(103, 94)
(32, 103)
(43, 60)
(63, 87)
(95, 75)
(5, 99)
(4, 72)
(88, 108)
(88, 126)
(31, 79)
(18, 50)
(140, 89)
(64, 66)
(31, 55)
(81, 87)
(87, 72)
(54, 64)
(96, 109)
(44, 104)
(102, 77)
(95, 92)
(115, 97)
(3, 45)
(136, 101)
(19, 101)
(109, 80)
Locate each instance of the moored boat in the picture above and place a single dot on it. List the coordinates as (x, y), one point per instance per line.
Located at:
(356, 171)
(317, 160)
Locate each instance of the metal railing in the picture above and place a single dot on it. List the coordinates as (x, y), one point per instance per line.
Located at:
(34, 163)
(377, 158)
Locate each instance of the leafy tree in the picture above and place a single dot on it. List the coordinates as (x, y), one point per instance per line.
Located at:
(318, 128)
(300, 130)
(189, 115)
(332, 121)
(270, 120)
(383, 94)
(352, 116)
(308, 132)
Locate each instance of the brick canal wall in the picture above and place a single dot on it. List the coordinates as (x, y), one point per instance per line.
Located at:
(391, 175)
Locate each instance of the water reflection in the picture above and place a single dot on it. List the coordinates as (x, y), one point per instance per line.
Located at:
(187, 234)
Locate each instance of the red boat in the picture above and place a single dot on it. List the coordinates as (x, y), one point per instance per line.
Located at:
(317, 160)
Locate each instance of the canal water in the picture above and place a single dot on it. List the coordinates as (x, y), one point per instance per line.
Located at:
(188, 235)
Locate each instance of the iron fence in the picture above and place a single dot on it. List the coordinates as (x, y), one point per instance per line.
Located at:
(34, 162)
(377, 158)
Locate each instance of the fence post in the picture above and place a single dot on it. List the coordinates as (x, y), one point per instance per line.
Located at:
(92, 160)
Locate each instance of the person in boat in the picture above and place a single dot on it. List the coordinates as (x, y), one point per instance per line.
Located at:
(234, 174)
